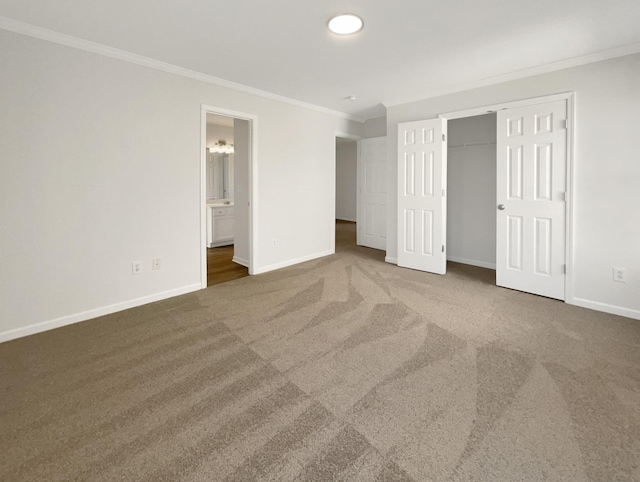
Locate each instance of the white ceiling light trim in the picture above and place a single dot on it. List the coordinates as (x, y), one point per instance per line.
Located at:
(345, 24)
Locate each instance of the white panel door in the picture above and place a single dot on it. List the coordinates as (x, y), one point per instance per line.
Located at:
(372, 193)
(531, 185)
(422, 174)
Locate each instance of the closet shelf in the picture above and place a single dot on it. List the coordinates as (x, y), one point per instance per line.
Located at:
(473, 144)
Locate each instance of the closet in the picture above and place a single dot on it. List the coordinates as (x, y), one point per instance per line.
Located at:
(471, 190)
(489, 190)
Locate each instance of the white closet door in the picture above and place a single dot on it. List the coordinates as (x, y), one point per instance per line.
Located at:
(531, 184)
(372, 193)
(422, 174)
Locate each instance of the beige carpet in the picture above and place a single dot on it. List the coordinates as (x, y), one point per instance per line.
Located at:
(343, 368)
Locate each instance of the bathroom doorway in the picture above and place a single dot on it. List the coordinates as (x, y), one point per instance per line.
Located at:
(227, 215)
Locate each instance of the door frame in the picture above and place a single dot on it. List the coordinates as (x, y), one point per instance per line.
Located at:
(570, 98)
(252, 185)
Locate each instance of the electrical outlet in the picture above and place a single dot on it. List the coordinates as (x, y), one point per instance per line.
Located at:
(156, 263)
(136, 267)
(274, 243)
(620, 275)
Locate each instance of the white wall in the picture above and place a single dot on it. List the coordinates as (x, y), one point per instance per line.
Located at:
(101, 167)
(471, 190)
(375, 127)
(346, 179)
(606, 176)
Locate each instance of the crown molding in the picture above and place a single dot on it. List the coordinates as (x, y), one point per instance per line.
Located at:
(530, 72)
(106, 51)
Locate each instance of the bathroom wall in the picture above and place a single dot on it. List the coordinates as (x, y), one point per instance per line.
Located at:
(217, 132)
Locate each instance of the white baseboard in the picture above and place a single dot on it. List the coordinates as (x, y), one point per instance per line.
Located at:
(87, 315)
(479, 264)
(240, 261)
(220, 244)
(605, 307)
(291, 262)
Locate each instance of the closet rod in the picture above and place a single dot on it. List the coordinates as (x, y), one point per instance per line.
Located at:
(474, 144)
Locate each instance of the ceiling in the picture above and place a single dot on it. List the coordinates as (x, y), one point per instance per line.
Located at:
(408, 50)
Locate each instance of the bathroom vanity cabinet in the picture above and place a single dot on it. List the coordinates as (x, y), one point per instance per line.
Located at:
(220, 221)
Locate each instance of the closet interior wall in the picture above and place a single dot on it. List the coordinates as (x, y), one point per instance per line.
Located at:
(471, 190)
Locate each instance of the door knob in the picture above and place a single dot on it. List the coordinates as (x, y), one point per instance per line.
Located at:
(501, 207)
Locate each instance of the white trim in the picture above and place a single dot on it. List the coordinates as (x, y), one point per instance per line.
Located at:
(389, 259)
(106, 51)
(203, 197)
(253, 196)
(613, 53)
(253, 185)
(605, 307)
(358, 193)
(291, 262)
(23, 28)
(569, 224)
(346, 135)
(487, 109)
(479, 264)
(570, 98)
(240, 261)
(94, 313)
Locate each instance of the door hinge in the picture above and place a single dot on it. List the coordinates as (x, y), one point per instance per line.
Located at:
(443, 193)
(564, 268)
(443, 137)
(563, 196)
(443, 248)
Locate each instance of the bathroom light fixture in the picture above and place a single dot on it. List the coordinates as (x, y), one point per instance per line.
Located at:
(345, 24)
(222, 147)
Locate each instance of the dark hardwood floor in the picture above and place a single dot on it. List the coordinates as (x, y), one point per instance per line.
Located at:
(221, 268)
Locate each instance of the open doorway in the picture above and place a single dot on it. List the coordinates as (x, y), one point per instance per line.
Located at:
(471, 196)
(220, 201)
(346, 198)
(227, 217)
(471, 191)
(360, 200)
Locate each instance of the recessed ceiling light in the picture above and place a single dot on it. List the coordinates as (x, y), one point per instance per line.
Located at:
(345, 24)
